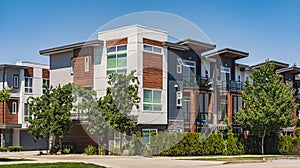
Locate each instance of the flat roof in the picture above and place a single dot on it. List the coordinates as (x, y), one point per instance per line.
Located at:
(2, 66)
(276, 64)
(292, 70)
(69, 47)
(228, 52)
(176, 46)
(194, 44)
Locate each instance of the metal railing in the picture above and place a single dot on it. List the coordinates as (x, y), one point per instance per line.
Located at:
(232, 86)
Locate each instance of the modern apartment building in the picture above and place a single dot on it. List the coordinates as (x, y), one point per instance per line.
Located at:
(184, 85)
(26, 79)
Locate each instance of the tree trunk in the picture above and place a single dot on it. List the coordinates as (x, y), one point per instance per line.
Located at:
(121, 145)
(60, 145)
(263, 142)
(51, 143)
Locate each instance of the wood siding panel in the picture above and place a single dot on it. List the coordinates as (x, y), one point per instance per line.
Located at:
(81, 77)
(46, 73)
(152, 42)
(115, 42)
(152, 71)
(29, 72)
(80, 138)
(9, 117)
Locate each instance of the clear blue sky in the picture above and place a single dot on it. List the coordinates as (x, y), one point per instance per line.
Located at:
(264, 28)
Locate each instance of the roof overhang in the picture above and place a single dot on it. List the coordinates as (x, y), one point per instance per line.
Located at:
(176, 46)
(229, 53)
(70, 47)
(3, 66)
(276, 64)
(292, 70)
(197, 45)
(243, 67)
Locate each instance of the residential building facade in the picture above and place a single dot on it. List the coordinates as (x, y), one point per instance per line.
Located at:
(26, 79)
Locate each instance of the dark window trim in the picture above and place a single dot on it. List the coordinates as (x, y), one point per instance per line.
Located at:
(16, 87)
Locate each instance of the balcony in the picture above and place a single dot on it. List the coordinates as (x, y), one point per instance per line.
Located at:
(232, 86)
(197, 82)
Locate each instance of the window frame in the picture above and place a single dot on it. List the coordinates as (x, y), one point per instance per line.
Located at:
(149, 133)
(26, 110)
(86, 64)
(116, 53)
(153, 47)
(16, 81)
(28, 87)
(47, 83)
(14, 108)
(152, 103)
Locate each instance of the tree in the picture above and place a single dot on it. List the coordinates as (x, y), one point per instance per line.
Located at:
(269, 104)
(90, 113)
(50, 115)
(120, 99)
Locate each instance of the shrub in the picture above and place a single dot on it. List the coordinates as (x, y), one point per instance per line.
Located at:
(66, 151)
(115, 151)
(232, 148)
(90, 150)
(15, 148)
(137, 143)
(101, 150)
(2, 149)
(54, 149)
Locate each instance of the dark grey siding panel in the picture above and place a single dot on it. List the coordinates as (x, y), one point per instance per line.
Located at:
(28, 143)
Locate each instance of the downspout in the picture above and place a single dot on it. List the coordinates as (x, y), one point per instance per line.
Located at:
(3, 81)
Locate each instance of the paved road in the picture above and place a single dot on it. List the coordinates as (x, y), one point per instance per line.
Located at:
(142, 162)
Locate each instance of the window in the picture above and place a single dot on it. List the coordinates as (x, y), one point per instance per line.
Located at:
(26, 111)
(206, 74)
(14, 108)
(152, 100)
(45, 82)
(72, 65)
(116, 59)
(86, 64)
(28, 84)
(16, 81)
(179, 65)
(152, 49)
(146, 135)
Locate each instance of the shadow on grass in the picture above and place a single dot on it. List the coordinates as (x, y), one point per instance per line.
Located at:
(53, 165)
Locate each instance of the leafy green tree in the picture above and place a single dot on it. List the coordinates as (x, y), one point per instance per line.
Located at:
(120, 99)
(50, 115)
(5, 94)
(87, 106)
(269, 104)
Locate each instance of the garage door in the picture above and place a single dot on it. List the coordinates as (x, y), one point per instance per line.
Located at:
(28, 143)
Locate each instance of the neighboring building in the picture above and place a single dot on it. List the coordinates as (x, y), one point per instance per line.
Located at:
(26, 79)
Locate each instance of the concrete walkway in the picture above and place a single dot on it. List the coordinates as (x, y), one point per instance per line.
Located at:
(144, 162)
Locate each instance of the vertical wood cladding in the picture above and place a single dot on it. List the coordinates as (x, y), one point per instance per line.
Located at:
(46, 73)
(152, 70)
(152, 42)
(9, 117)
(29, 72)
(82, 77)
(80, 138)
(115, 42)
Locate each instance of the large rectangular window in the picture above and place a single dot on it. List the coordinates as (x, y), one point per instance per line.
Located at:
(152, 100)
(28, 85)
(237, 105)
(116, 59)
(153, 49)
(146, 135)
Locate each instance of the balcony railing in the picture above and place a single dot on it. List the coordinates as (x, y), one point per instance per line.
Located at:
(197, 82)
(232, 86)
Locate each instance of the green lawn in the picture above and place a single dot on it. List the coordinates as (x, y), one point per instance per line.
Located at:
(52, 165)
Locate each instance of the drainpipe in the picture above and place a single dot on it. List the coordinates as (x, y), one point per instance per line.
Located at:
(3, 81)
